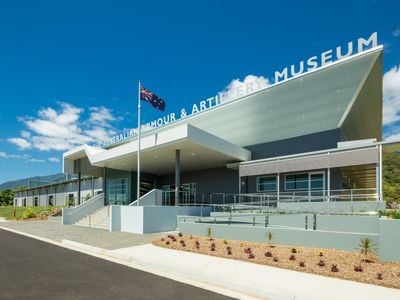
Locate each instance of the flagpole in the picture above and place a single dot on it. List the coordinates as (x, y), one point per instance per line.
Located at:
(138, 151)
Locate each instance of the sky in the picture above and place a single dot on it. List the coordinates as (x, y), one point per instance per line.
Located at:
(69, 70)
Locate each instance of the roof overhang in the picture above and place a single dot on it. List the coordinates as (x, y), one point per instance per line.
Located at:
(198, 150)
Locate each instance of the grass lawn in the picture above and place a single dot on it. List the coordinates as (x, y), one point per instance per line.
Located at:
(8, 211)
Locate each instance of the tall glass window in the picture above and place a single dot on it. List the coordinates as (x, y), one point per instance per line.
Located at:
(117, 191)
(266, 184)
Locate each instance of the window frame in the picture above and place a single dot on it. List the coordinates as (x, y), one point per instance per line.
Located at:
(266, 176)
(309, 174)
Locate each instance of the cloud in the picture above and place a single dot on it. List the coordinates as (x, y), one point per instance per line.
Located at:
(391, 96)
(24, 157)
(36, 160)
(238, 88)
(396, 32)
(392, 137)
(54, 159)
(101, 115)
(65, 128)
(20, 142)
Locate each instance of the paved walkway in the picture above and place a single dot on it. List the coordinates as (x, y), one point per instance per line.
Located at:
(91, 236)
(238, 276)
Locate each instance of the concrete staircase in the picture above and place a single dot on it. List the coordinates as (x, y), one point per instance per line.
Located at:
(99, 219)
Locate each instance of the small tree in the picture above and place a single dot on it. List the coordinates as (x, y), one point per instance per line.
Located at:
(366, 246)
(209, 233)
(270, 238)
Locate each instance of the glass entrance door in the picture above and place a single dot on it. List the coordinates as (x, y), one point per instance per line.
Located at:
(117, 191)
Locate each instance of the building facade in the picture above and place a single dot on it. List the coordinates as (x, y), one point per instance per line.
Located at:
(59, 193)
(316, 135)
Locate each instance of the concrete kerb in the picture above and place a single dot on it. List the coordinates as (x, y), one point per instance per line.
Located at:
(243, 291)
(130, 262)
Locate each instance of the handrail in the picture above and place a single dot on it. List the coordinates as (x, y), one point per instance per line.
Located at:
(150, 198)
(71, 215)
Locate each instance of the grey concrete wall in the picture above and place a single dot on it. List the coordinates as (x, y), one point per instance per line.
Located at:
(389, 240)
(287, 236)
(359, 224)
(342, 223)
(332, 207)
(148, 219)
(306, 143)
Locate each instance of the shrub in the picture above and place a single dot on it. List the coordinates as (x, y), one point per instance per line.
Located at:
(212, 247)
(321, 263)
(182, 241)
(268, 254)
(247, 250)
(294, 250)
(180, 234)
(229, 249)
(275, 259)
(302, 264)
(167, 243)
(366, 247)
(358, 268)
(28, 213)
(225, 242)
(379, 276)
(162, 239)
(292, 257)
(270, 238)
(209, 233)
(334, 268)
(191, 237)
(251, 256)
(321, 253)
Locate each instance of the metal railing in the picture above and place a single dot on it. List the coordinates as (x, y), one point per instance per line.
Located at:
(270, 199)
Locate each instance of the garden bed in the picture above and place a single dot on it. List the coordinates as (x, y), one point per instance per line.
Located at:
(36, 213)
(326, 262)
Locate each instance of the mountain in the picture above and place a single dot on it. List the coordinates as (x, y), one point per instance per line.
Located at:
(34, 181)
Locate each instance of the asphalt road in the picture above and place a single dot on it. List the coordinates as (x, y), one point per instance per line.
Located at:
(32, 269)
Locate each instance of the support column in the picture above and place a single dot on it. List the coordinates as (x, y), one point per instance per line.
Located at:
(79, 188)
(278, 186)
(328, 182)
(177, 176)
(379, 175)
(105, 186)
(92, 186)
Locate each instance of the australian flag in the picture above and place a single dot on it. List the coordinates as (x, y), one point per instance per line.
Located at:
(152, 98)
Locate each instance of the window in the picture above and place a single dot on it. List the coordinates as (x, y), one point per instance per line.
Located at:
(188, 192)
(24, 202)
(317, 181)
(51, 200)
(304, 181)
(266, 184)
(36, 201)
(296, 182)
(117, 191)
